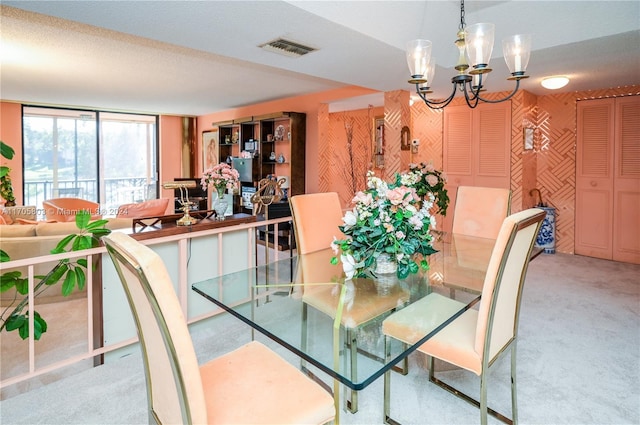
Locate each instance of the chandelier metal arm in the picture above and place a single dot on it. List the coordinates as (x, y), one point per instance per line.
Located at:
(436, 104)
(504, 98)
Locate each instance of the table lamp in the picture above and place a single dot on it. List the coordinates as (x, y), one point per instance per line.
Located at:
(185, 204)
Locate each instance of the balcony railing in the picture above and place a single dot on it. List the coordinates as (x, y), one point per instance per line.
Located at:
(113, 192)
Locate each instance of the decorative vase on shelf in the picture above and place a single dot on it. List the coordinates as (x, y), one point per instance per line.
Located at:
(220, 204)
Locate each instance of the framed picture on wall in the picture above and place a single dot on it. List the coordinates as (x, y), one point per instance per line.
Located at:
(209, 148)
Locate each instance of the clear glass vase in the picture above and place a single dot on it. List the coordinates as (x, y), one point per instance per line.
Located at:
(386, 264)
(385, 271)
(220, 204)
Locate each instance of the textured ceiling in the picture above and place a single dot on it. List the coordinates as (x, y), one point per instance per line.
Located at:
(199, 57)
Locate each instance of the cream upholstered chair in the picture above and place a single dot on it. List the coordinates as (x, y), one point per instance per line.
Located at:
(249, 385)
(65, 209)
(479, 211)
(475, 339)
(316, 218)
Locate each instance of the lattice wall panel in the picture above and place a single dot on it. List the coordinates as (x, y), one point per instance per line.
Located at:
(340, 170)
(427, 127)
(324, 149)
(396, 115)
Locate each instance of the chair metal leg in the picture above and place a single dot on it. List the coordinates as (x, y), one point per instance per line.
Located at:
(303, 336)
(514, 394)
(351, 396)
(483, 397)
(386, 412)
(482, 404)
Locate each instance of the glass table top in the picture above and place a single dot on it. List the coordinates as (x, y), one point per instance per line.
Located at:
(305, 305)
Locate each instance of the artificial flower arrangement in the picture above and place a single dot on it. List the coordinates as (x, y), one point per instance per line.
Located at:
(393, 218)
(430, 180)
(220, 176)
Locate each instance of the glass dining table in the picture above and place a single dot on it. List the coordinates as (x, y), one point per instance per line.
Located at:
(333, 325)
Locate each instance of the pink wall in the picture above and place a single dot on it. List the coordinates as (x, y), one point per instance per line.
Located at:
(11, 134)
(170, 133)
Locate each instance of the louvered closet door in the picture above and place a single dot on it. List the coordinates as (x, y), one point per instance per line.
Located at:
(608, 179)
(476, 148)
(626, 186)
(594, 178)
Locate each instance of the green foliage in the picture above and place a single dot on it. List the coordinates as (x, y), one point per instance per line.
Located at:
(6, 189)
(388, 217)
(71, 273)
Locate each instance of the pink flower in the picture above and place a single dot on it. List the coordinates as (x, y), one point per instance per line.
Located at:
(402, 196)
(363, 198)
(432, 180)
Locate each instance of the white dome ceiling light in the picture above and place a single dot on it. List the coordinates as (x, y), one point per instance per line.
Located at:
(555, 82)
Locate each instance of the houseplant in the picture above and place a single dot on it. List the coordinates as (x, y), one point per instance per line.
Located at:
(6, 188)
(388, 218)
(70, 272)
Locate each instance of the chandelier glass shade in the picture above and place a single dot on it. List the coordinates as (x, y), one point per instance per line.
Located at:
(475, 46)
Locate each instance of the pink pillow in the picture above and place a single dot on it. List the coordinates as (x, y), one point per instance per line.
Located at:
(151, 208)
(5, 218)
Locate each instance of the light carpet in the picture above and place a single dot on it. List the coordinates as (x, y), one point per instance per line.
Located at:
(578, 363)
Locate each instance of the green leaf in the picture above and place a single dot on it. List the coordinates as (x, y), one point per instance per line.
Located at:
(22, 286)
(9, 280)
(424, 265)
(96, 224)
(23, 330)
(6, 150)
(69, 283)
(82, 219)
(334, 260)
(4, 170)
(80, 277)
(39, 326)
(82, 262)
(99, 232)
(82, 242)
(62, 244)
(4, 257)
(56, 274)
(16, 321)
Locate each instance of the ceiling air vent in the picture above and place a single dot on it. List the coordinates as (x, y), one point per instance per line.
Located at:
(287, 48)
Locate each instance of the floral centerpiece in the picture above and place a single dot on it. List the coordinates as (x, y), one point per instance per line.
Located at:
(392, 219)
(428, 180)
(221, 177)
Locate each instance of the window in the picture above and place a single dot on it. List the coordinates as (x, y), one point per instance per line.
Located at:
(110, 158)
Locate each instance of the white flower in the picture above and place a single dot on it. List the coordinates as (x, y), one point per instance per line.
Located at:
(348, 265)
(350, 219)
(416, 222)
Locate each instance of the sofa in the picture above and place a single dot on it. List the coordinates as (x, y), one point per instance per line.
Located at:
(38, 238)
(23, 236)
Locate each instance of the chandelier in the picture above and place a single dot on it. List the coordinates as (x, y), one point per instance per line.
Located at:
(475, 44)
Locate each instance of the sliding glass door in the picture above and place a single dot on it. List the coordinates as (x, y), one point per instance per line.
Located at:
(110, 158)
